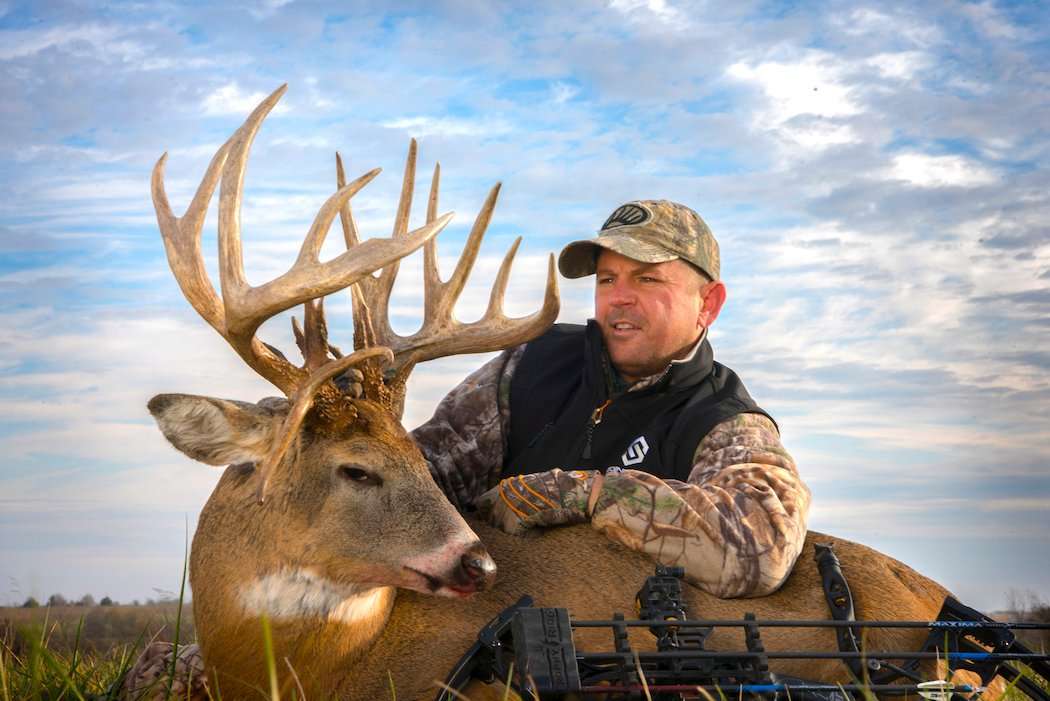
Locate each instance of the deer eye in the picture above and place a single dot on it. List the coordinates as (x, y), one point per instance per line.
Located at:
(352, 473)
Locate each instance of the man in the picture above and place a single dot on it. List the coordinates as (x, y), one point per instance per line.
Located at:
(628, 423)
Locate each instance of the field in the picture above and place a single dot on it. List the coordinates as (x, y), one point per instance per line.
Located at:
(79, 652)
(100, 628)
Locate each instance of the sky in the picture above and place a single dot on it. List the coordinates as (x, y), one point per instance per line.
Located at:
(877, 174)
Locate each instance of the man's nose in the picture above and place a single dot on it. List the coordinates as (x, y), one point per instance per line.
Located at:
(622, 295)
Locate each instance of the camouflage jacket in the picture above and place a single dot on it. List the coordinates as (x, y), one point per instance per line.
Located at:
(736, 525)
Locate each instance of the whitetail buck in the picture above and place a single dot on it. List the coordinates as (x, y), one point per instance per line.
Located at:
(326, 521)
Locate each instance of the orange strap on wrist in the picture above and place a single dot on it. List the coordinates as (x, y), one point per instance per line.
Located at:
(506, 501)
(545, 500)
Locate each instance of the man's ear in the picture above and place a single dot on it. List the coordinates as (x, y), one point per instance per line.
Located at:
(714, 296)
(215, 431)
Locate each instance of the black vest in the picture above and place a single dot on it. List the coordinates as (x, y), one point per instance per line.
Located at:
(561, 380)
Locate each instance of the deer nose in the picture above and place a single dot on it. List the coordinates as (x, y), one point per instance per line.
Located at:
(477, 566)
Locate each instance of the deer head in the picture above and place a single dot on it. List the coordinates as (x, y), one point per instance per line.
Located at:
(326, 494)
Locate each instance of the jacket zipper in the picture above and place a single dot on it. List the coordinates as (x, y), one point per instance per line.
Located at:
(596, 418)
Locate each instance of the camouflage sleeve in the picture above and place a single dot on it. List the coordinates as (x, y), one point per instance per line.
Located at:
(736, 526)
(466, 439)
(151, 675)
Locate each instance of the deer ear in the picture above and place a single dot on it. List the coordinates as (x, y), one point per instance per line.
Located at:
(215, 431)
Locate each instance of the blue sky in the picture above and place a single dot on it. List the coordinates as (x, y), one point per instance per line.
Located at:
(877, 175)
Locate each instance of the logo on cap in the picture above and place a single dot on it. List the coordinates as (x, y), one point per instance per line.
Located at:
(627, 215)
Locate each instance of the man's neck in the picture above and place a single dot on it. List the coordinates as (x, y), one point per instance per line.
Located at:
(621, 382)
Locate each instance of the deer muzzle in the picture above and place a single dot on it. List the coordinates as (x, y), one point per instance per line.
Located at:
(477, 569)
(471, 570)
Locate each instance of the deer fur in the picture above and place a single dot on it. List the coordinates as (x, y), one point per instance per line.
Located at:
(324, 562)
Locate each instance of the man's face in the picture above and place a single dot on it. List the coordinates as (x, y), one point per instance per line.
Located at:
(649, 313)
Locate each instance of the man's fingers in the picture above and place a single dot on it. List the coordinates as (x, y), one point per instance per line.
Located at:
(596, 490)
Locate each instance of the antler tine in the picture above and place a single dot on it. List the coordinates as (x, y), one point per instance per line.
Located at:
(182, 239)
(313, 341)
(364, 336)
(408, 186)
(311, 248)
(431, 277)
(441, 335)
(246, 307)
(241, 308)
(493, 331)
(435, 186)
(346, 215)
(499, 287)
(441, 306)
(231, 258)
(379, 299)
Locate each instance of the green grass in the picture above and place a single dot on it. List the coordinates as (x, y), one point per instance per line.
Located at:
(94, 629)
(32, 669)
(79, 653)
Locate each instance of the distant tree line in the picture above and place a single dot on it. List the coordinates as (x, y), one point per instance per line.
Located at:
(1029, 607)
(56, 600)
(91, 626)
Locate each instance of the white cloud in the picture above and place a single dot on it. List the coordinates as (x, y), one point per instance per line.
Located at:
(102, 41)
(805, 99)
(317, 95)
(990, 21)
(1015, 504)
(267, 8)
(93, 189)
(59, 151)
(924, 170)
(185, 63)
(654, 9)
(178, 154)
(230, 99)
(867, 21)
(303, 141)
(420, 127)
(563, 92)
(164, 480)
(930, 515)
(902, 65)
(810, 86)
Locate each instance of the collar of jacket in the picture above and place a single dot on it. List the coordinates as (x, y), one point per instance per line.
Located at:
(677, 375)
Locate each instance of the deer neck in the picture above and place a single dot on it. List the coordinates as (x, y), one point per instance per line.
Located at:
(315, 618)
(320, 629)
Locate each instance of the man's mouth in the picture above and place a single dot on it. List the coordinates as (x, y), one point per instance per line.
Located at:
(623, 327)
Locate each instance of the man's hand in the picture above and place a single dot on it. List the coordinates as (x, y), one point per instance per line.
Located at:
(553, 498)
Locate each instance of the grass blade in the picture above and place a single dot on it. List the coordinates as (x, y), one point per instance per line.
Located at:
(271, 664)
(178, 612)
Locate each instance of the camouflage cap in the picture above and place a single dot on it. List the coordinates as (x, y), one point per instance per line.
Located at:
(650, 231)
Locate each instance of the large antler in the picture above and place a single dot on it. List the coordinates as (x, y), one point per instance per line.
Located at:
(441, 334)
(242, 308)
